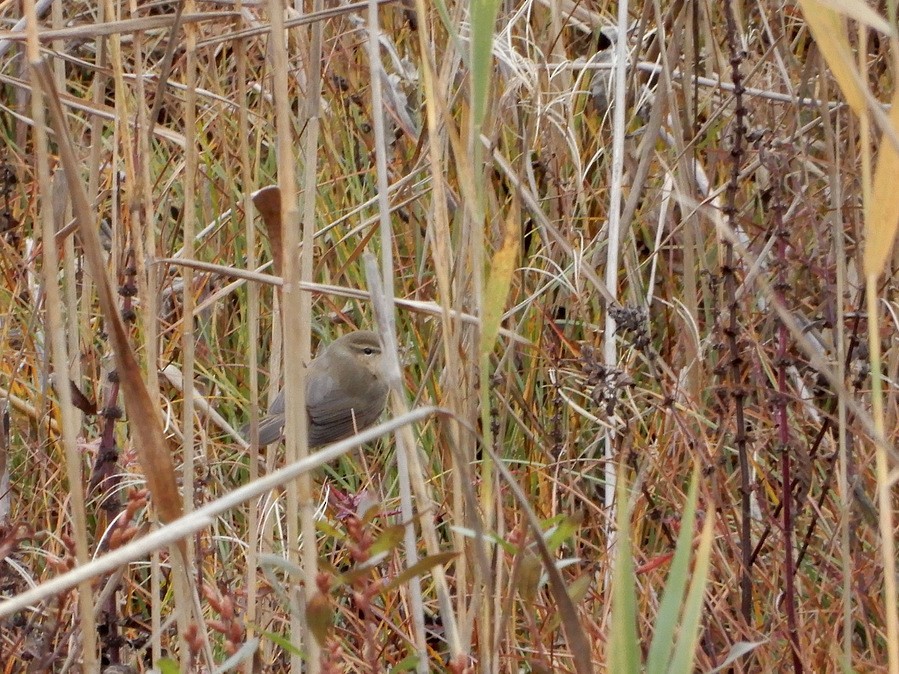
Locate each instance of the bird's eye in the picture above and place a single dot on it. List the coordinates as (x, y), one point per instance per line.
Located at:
(368, 351)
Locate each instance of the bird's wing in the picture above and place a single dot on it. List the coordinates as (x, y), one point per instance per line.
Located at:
(333, 416)
(277, 406)
(270, 429)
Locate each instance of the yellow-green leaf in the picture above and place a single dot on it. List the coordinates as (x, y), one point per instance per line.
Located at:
(883, 211)
(860, 12)
(501, 269)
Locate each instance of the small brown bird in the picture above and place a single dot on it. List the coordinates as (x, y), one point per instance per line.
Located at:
(346, 391)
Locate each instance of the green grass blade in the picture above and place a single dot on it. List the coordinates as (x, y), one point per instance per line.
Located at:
(685, 651)
(675, 587)
(624, 645)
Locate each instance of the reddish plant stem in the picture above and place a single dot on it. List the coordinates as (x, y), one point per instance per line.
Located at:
(781, 415)
(732, 327)
(826, 427)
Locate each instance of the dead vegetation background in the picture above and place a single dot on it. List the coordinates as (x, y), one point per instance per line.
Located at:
(682, 286)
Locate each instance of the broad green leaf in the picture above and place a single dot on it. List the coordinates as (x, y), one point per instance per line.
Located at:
(388, 539)
(565, 529)
(167, 666)
(578, 588)
(407, 664)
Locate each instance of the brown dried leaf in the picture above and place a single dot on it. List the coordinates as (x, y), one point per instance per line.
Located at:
(268, 203)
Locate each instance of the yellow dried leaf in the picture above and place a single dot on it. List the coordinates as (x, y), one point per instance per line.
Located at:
(829, 30)
(883, 212)
(501, 269)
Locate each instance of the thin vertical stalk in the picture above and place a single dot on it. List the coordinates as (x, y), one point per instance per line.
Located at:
(124, 133)
(884, 484)
(833, 132)
(610, 351)
(246, 180)
(191, 163)
(69, 258)
(732, 327)
(143, 228)
(781, 413)
(311, 122)
(884, 491)
(461, 444)
(121, 157)
(98, 87)
(188, 211)
(142, 221)
(57, 331)
(297, 310)
(441, 241)
(884, 487)
(482, 19)
(404, 448)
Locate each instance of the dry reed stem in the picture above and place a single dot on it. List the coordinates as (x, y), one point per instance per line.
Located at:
(546, 398)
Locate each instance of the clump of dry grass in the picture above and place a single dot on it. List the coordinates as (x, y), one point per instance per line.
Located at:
(679, 286)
